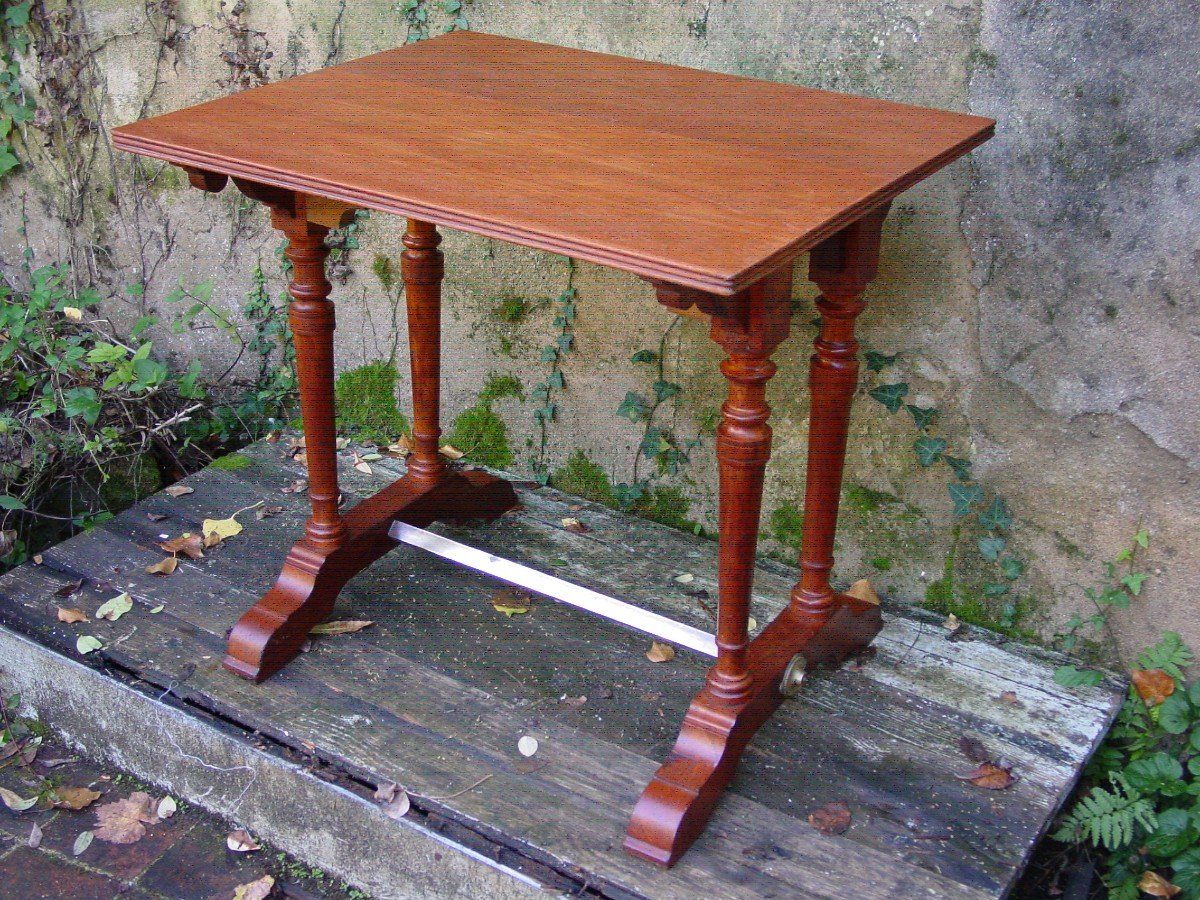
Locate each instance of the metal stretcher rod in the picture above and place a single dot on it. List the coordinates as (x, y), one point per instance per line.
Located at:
(523, 576)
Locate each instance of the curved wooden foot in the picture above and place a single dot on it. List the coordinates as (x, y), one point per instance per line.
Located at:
(271, 633)
(676, 804)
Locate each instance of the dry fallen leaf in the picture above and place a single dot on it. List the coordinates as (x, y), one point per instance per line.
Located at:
(37, 559)
(115, 608)
(82, 843)
(255, 890)
(973, 749)
(575, 526)
(1009, 697)
(952, 623)
(990, 776)
(167, 807)
(685, 578)
(164, 566)
(402, 447)
(832, 818)
(1153, 685)
(239, 841)
(511, 603)
(125, 821)
(342, 627)
(73, 313)
(71, 616)
(266, 512)
(190, 545)
(156, 517)
(451, 452)
(862, 590)
(527, 746)
(398, 804)
(8, 539)
(15, 802)
(385, 792)
(75, 798)
(362, 465)
(68, 589)
(660, 652)
(35, 837)
(1156, 886)
(575, 702)
(178, 490)
(299, 486)
(86, 644)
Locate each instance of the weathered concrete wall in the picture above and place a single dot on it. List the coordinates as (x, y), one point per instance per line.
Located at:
(1040, 295)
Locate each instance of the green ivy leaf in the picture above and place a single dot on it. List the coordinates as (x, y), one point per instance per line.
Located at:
(1185, 870)
(929, 450)
(1194, 694)
(877, 362)
(996, 517)
(964, 496)
(644, 356)
(1011, 568)
(1158, 773)
(565, 342)
(8, 162)
(1133, 581)
(1175, 714)
(549, 354)
(1142, 538)
(1073, 677)
(891, 395)
(995, 589)
(961, 467)
(633, 407)
(991, 547)
(1175, 833)
(666, 389)
(17, 15)
(923, 416)
(556, 380)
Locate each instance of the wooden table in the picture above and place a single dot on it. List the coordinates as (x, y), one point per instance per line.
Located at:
(707, 185)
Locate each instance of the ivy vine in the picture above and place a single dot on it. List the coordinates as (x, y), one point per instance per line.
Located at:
(563, 343)
(416, 17)
(16, 108)
(972, 505)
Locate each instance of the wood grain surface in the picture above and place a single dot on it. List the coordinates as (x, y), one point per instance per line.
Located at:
(613, 160)
(437, 692)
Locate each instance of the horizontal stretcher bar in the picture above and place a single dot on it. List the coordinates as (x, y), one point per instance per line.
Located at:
(557, 588)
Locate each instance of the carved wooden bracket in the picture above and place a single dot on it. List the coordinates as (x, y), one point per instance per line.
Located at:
(294, 204)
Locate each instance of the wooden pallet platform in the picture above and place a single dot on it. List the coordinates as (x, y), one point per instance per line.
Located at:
(436, 693)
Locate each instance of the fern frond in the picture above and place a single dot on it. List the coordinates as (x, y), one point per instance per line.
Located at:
(1108, 818)
(1170, 654)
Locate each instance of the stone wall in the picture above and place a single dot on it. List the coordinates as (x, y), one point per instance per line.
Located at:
(1040, 295)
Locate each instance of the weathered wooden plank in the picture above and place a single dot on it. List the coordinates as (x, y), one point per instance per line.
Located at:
(883, 738)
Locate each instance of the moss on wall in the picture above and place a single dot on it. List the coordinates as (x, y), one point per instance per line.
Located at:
(366, 403)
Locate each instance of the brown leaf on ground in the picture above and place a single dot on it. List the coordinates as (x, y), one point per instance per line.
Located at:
(451, 452)
(1153, 685)
(362, 465)
(832, 818)
(267, 512)
(299, 486)
(398, 805)
(385, 792)
(8, 539)
(255, 890)
(68, 589)
(239, 841)
(660, 652)
(164, 566)
(952, 623)
(71, 616)
(190, 545)
(125, 821)
(1009, 697)
(1156, 886)
(178, 490)
(574, 526)
(973, 749)
(75, 798)
(511, 602)
(863, 590)
(990, 776)
(341, 627)
(402, 447)
(156, 517)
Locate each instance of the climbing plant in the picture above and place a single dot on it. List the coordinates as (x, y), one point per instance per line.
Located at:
(982, 515)
(16, 109)
(552, 355)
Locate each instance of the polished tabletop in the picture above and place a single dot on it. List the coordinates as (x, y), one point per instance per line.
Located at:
(682, 175)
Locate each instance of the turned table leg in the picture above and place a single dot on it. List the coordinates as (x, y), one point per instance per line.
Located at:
(336, 547)
(841, 267)
(818, 627)
(422, 266)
